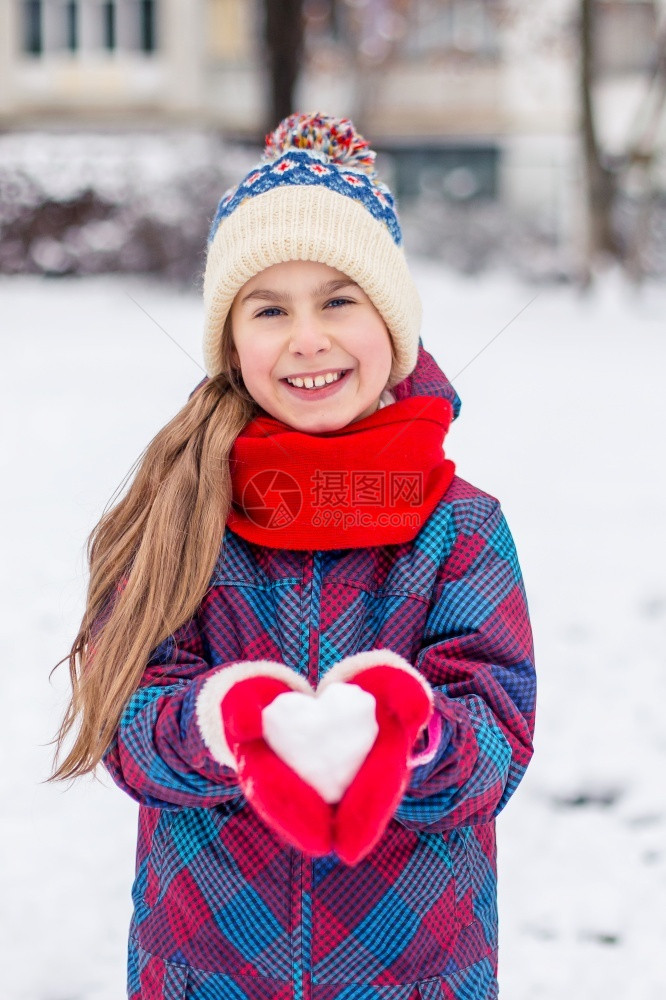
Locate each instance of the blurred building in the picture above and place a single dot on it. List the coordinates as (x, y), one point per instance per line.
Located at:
(149, 61)
(471, 97)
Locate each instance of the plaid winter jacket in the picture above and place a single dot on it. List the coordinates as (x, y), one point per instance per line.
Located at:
(222, 909)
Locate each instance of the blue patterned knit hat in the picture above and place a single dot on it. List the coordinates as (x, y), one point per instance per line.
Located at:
(315, 196)
(327, 152)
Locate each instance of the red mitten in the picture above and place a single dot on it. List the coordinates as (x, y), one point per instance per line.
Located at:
(404, 706)
(327, 769)
(229, 712)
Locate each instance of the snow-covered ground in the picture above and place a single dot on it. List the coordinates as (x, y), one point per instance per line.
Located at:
(564, 419)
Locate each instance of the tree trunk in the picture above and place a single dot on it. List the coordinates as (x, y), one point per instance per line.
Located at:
(643, 158)
(283, 36)
(600, 181)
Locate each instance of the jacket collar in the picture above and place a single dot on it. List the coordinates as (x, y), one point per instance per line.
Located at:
(428, 379)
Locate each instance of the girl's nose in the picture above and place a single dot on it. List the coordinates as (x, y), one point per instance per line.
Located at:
(308, 336)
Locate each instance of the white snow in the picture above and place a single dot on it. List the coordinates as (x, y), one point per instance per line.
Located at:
(564, 419)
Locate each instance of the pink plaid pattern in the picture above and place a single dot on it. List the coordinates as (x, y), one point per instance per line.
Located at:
(221, 907)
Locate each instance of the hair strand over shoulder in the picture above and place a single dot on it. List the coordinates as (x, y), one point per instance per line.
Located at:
(151, 558)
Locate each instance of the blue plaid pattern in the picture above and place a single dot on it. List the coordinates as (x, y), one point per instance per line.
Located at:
(221, 907)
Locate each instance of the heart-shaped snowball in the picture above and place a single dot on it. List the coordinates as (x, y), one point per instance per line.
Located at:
(323, 737)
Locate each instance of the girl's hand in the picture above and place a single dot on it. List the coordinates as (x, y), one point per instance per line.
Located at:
(326, 769)
(230, 715)
(404, 706)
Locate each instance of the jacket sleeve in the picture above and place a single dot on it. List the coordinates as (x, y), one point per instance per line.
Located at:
(158, 755)
(478, 657)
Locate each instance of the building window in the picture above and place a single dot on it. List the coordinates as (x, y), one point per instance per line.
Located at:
(109, 26)
(147, 15)
(32, 26)
(462, 26)
(84, 26)
(448, 171)
(375, 28)
(72, 25)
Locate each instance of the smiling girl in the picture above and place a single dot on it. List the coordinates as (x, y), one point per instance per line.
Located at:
(306, 651)
(313, 350)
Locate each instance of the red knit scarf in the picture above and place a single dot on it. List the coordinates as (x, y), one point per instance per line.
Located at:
(373, 482)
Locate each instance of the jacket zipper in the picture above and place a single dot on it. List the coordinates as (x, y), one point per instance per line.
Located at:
(302, 865)
(314, 625)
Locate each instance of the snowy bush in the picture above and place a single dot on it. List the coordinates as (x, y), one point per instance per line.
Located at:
(87, 203)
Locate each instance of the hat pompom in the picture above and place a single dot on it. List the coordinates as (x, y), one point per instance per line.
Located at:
(336, 139)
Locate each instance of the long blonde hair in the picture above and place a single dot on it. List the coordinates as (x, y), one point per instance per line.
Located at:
(151, 557)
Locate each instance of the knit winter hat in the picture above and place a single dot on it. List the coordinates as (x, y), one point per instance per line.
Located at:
(314, 196)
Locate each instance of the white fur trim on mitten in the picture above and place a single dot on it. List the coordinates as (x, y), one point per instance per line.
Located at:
(350, 666)
(208, 715)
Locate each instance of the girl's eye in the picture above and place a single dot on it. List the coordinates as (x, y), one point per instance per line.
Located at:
(273, 311)
(339, 302)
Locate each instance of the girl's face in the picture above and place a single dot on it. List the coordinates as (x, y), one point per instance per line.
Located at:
(305, 320)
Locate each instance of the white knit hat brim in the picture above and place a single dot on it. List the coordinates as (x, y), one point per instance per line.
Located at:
(312, 223)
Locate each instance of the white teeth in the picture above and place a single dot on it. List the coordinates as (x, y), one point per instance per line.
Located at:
(317, 382)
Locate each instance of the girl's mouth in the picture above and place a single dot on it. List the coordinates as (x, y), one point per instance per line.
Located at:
(317, 392)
